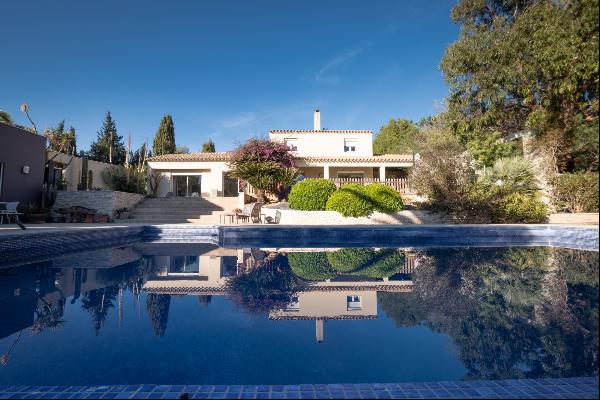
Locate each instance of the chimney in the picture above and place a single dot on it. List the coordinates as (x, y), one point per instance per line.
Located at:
(317, 126)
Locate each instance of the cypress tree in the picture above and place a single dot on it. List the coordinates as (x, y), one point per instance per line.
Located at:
(208, 147)
(164, 140)
(109, 146)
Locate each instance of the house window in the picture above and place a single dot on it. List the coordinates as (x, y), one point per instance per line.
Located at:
(292, 143)
(354, 303)
(349, 145)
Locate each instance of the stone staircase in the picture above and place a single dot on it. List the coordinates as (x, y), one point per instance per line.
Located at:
(176, 210)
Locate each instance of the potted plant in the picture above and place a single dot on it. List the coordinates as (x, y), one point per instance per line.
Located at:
(34, 214)
(123, 212)
(102, 218)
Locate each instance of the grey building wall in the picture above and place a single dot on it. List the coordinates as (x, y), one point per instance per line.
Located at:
(20, 148)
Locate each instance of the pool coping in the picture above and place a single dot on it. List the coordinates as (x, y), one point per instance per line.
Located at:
(45, 244)
(585, 387)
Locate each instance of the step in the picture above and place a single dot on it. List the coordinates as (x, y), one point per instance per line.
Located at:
(207, 220)
(170, 211)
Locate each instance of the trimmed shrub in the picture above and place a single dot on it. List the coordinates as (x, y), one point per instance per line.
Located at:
(577, 192)
(348, 260)
(520, 208)
(350, 200)
(385, 264)
(311, 266)
(384, 198)
(311, 194)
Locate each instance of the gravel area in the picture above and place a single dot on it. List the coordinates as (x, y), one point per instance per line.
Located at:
(295, 217)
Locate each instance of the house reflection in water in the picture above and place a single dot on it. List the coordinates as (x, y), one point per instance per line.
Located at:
(343, 298)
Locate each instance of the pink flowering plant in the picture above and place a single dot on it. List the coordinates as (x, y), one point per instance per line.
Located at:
(264, 164)
(259, 150)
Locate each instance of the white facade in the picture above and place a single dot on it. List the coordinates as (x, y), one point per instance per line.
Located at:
(320, 153)
(326, 143)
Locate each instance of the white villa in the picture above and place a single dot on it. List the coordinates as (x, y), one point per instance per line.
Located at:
(340, 155)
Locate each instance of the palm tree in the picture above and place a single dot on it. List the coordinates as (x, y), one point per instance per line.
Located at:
(5, 117)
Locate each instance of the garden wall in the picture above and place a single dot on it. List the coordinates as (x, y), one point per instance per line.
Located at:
(103, 201)
(296, 217)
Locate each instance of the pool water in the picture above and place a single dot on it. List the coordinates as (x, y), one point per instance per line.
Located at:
(200, 314)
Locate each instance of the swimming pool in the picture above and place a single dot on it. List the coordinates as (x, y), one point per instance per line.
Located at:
(200, 313)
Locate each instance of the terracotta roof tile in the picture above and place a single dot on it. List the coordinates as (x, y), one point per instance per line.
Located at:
(359, 159)
(191, 157)
(226, 156)
(301, 131)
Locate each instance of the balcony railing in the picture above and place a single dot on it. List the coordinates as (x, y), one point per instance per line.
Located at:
(402, 185)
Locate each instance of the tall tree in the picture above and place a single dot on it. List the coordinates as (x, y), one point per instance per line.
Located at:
(208, 147)
(109, 146)
(526, 65)
(61, 140)
(164, 140)
(397, 137)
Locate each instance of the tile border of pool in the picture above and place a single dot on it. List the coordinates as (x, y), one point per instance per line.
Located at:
(551, 388)
(36, 246)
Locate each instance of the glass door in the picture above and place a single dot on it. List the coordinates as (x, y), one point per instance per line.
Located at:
(187, 185)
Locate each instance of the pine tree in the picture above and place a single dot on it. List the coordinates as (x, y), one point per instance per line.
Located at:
(208, 147)
(164, 140)
(108, 147)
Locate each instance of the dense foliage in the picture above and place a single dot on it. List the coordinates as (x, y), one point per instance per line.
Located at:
(164, 139)
(350, 200)
(125, 179)
(526, 65)
(311, 266)
(266, 165)
(505, 193)
(576, 192)
(61, 140)
(397, 137)
(510, 312)
(384, 198)
(108, 147)
(311, 194)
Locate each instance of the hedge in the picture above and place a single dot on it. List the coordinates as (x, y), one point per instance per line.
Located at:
(520, 208)
(350, 200)
(310, 194)
(385, 264)
(384, 198)
(348, 260)
(577, 192)
(311, 266)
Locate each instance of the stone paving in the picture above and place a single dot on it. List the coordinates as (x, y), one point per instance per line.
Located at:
(563, 388)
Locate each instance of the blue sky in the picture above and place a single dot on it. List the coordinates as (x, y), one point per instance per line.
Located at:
(224, 70)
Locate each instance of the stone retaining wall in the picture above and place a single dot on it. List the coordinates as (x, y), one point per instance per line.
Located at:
(103, 201)
(297, 217)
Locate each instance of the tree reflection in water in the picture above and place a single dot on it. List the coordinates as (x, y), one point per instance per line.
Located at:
(510, 312)
(268, 285)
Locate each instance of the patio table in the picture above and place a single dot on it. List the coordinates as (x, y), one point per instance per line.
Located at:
(231, 215)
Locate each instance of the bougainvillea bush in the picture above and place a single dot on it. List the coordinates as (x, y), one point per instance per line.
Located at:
(266, 165)
(259, 150)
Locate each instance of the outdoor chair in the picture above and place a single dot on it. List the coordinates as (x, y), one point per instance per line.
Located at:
(271, 220)
(246, 213)
(8, 211)
(255, 215)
